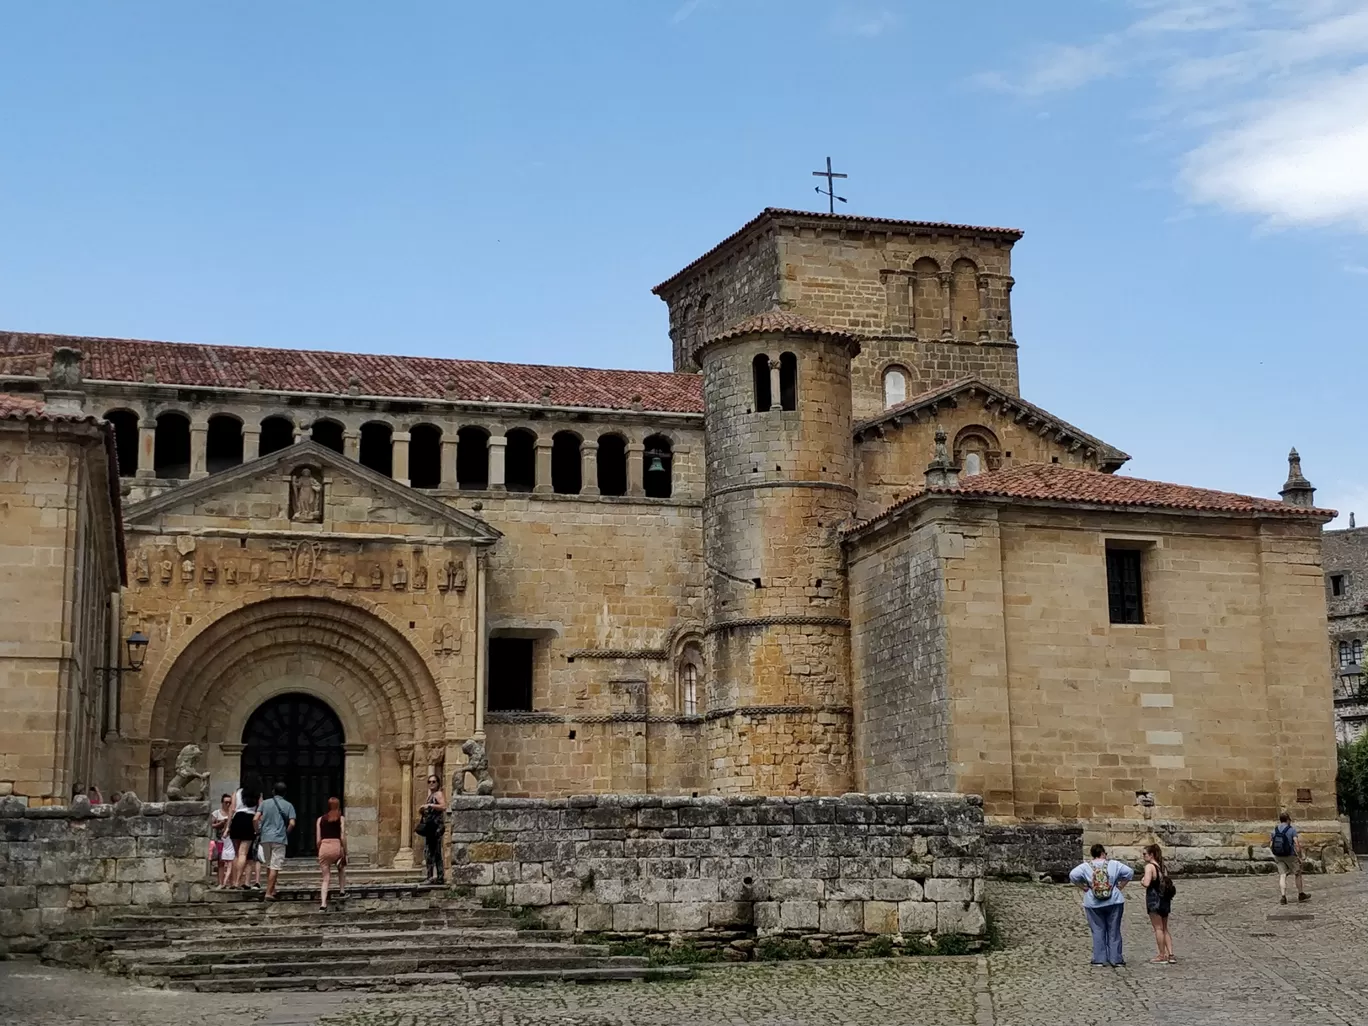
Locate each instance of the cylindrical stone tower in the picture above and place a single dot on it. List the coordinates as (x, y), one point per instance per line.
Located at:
(780, 485)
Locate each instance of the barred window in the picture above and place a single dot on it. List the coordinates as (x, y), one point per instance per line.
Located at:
(1125, 591)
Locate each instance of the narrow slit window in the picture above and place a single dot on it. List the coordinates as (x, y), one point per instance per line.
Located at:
(788, 381)
(760, 371)
(1125, 590)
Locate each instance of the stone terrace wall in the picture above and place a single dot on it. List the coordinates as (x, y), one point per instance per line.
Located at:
(642, 864)
(1031, 850)
(60, 867)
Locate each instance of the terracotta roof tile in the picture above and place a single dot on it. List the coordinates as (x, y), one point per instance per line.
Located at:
(833, 220)
(1053, 483)
(406, 377)
(31, 407)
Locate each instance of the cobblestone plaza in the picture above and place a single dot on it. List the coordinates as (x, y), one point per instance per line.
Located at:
(1242, 959)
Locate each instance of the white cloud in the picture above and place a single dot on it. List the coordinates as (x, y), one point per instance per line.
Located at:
(863, 21)
(1355, 269)
(1268, 99)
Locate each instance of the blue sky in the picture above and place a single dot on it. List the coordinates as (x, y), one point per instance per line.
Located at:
(508, 181)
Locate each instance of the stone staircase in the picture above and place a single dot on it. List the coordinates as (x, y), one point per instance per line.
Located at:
(382, 935)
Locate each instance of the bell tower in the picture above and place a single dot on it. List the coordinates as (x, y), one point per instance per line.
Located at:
(780, 473)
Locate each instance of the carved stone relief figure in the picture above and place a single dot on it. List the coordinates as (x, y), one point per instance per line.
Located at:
(477, 765)
(306, 496)
(377, 577)
(230, 572)
(420, 577)
(210, 573)
(400, 576)
(453, 576)
(166, 567)
(256, 571)
(143, 570)
(187, 570)
(189, 781)
(445, 640)
(348, 578)
(304, 562)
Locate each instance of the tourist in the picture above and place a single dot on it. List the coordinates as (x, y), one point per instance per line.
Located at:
(220, 848)
(1103, 881)
(432, 827)
(330, 834)
(242, 832)
(275, 820)
(1159, 892)
(1287, 853)
(93, 793)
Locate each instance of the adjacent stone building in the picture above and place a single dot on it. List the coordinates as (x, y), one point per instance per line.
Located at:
(834, 550)
(1346, 597)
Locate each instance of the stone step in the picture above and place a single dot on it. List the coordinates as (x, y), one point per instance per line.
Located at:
(401, 980)
(270, 911)
(481, 953)
(361, 964)
(310, 890)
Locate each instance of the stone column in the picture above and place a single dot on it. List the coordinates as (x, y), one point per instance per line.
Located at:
(403, 859)
(399, 446)
(301, 432)
(635, 468)
(251, 441)
(589, 468)
(543, 465)
(359, 799)
(1007, 301)
(947, 279)
(448, 474)
(984, 324)
(481, 645)
(498, 445)
(776, 403)
(199, 444)
(147, 447)
(351, 444)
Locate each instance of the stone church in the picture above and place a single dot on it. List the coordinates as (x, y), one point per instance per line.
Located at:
(834, 550)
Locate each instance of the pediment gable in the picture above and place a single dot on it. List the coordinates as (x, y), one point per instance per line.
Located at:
(993, 405)
(337, 495)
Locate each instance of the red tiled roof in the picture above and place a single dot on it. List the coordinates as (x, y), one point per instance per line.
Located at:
(834, 220)
(328, 373)
(1054, 483)
(32, 407)
(780, 321)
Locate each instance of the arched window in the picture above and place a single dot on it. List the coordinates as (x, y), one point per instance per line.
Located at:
(276, 433)
(788, 381)
(472, 458)
(894, 386)
(520, 460)
(377, 450)
(689, 670)
(171, 455)
(928, 310)
(964, 300)
(125, 424)
(223, 443)
(567, 477)
(760, 373)
(976, 450)
(327, 433)
(612, 465)
(658, 474)
(425, 456)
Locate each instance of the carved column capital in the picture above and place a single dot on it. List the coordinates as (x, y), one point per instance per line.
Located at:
(404, 754)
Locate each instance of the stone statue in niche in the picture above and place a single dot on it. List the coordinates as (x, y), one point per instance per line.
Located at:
(419, 576)
(477, 765)
(142, 566)
(209, 574)
(166, 567)
(445, 640)
(349, 578)
(453, 576)
(256, 571)
(188, 781)
(306, 496)
(400, 576)
(377, 577)
(187, 570)
(230, 572)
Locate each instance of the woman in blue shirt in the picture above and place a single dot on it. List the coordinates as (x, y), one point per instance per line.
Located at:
(1103, 883)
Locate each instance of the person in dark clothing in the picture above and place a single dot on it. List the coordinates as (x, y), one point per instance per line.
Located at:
(433, 827)
(1159, 892)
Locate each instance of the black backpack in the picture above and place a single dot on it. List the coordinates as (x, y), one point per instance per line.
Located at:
(1281, 842)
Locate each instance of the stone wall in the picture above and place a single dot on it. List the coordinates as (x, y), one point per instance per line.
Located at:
(643, 864)
(1345, 554)
(64, 866)
(1031, 850)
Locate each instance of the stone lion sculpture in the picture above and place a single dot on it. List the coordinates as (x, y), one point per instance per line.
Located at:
(477, 765)
(188, 781)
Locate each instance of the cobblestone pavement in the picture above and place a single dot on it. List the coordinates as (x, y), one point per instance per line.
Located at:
(1241, 961)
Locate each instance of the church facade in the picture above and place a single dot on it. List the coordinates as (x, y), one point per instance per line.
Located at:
(833, 550)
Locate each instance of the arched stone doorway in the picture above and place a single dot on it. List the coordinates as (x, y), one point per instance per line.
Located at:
(296, 739)
(344, 655)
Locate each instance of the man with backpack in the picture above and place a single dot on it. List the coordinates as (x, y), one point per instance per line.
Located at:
(1102, 881)
(274, 820)
(1287, 851)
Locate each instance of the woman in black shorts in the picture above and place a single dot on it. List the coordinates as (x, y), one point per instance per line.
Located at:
(242, 832)
(1159, 891)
